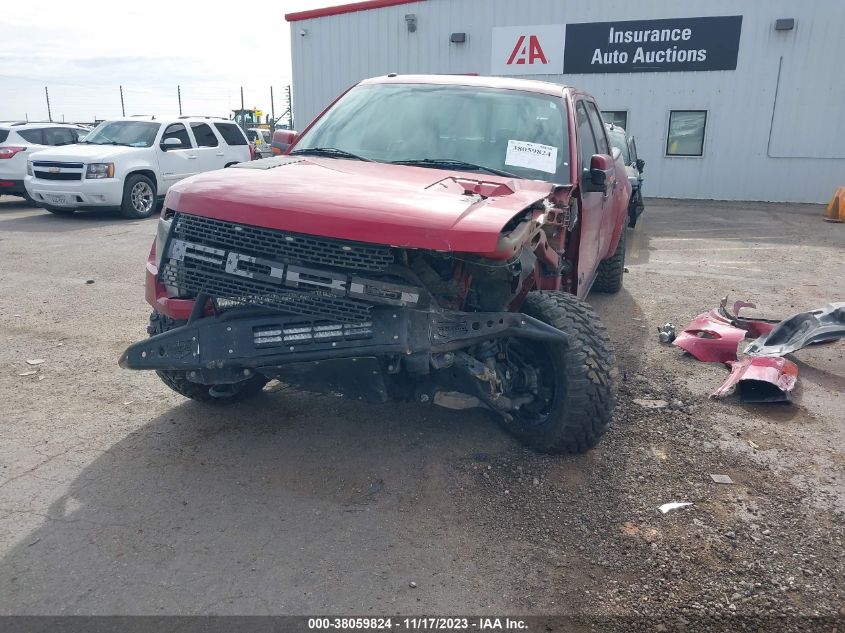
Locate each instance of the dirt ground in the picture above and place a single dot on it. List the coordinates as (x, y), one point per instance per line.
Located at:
(118, 496)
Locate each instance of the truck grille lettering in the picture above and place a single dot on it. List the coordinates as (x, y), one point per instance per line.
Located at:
(225, 272)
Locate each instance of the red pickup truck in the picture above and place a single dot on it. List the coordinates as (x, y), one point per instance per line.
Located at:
(426, 238)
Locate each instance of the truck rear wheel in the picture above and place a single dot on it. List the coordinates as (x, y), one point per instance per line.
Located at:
(214, 394)
(611, 270)
(573, 381)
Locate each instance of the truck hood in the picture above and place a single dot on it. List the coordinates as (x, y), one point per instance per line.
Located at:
(402, 206)
(84, 153)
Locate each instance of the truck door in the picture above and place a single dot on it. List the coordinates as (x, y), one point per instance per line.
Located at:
(211, 154)
(176, 161)
(592, 202)
(616, 199)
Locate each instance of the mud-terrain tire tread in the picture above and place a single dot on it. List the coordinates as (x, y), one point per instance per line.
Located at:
(585, 377)
(611, 270)
(178, 380)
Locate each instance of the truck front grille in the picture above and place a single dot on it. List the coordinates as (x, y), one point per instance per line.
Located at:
(282, 246)
(245, 265)
(63, 175)
(235, 291)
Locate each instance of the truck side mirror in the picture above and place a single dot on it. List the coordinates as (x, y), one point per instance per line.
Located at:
(170, 143)
(640, 164)
(600, 175)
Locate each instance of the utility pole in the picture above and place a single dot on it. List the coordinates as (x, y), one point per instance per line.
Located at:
(179, 96)
(49, 112)
(122, 108)
(272, 108)
(243, 118)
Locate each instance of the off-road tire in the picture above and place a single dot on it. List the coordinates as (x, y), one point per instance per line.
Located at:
(611, 270)
(582, 407)
(127, 207)
(64, 211)
(178, 380)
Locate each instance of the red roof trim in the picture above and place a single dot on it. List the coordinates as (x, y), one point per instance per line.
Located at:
(345, 8)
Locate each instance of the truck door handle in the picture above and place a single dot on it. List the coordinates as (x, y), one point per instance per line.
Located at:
(192, 156)
(220, 154)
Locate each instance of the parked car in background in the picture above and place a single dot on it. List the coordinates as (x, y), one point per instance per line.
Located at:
(261, 141)
(129, 164)
(634, 166)
(20, 139)
(282, 140)
(428, 238)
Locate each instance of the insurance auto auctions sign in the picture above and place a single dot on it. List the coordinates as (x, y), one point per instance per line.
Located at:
(527, 50)
(678, 44)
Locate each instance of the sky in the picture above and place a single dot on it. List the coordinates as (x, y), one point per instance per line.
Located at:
(84, 54)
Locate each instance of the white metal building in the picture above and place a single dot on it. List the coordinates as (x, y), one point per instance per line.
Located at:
(728, 100)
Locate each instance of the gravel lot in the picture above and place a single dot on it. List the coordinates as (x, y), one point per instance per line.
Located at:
(117, 496)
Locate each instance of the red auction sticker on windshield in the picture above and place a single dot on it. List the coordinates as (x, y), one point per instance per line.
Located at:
(532, 156)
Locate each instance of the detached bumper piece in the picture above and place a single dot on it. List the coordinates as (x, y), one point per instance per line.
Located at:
(220, 348)
(760, 379)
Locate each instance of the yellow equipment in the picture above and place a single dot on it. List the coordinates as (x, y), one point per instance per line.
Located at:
(836, 207)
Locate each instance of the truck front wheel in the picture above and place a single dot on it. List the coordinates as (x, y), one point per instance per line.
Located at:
(572, 383)
(139, 197)
(214, 394)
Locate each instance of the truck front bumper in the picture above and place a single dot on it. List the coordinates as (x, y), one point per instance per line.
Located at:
(241, 339)
(106, 192)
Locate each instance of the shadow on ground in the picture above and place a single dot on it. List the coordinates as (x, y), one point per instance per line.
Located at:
(289, 503)
(40, 220)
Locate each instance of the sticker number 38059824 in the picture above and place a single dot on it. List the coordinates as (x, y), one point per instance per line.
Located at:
(532, 156)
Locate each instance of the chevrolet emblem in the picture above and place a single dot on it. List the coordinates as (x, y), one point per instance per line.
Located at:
(54, 170)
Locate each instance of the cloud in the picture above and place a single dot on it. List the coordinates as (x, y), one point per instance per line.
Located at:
(149, 48)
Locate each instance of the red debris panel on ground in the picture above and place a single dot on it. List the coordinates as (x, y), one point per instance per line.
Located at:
(760, 379)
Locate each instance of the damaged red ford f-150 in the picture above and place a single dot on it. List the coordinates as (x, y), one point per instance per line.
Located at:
(426, 238)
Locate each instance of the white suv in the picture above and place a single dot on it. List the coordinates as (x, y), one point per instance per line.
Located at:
(19, 139)
(130, 163)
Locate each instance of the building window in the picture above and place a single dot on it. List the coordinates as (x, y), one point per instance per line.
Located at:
(619, 118)
(686, 133)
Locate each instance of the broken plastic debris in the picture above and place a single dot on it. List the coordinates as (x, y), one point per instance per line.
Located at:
(721, 479)
(29, 373)
(667, 507)
(713, 336)
(823, 325)
(760, 379)
(34, 361)
(710, 338)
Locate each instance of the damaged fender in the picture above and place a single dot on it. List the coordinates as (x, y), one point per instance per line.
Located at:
(760, 379)
(710, 338)
(713, 337)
